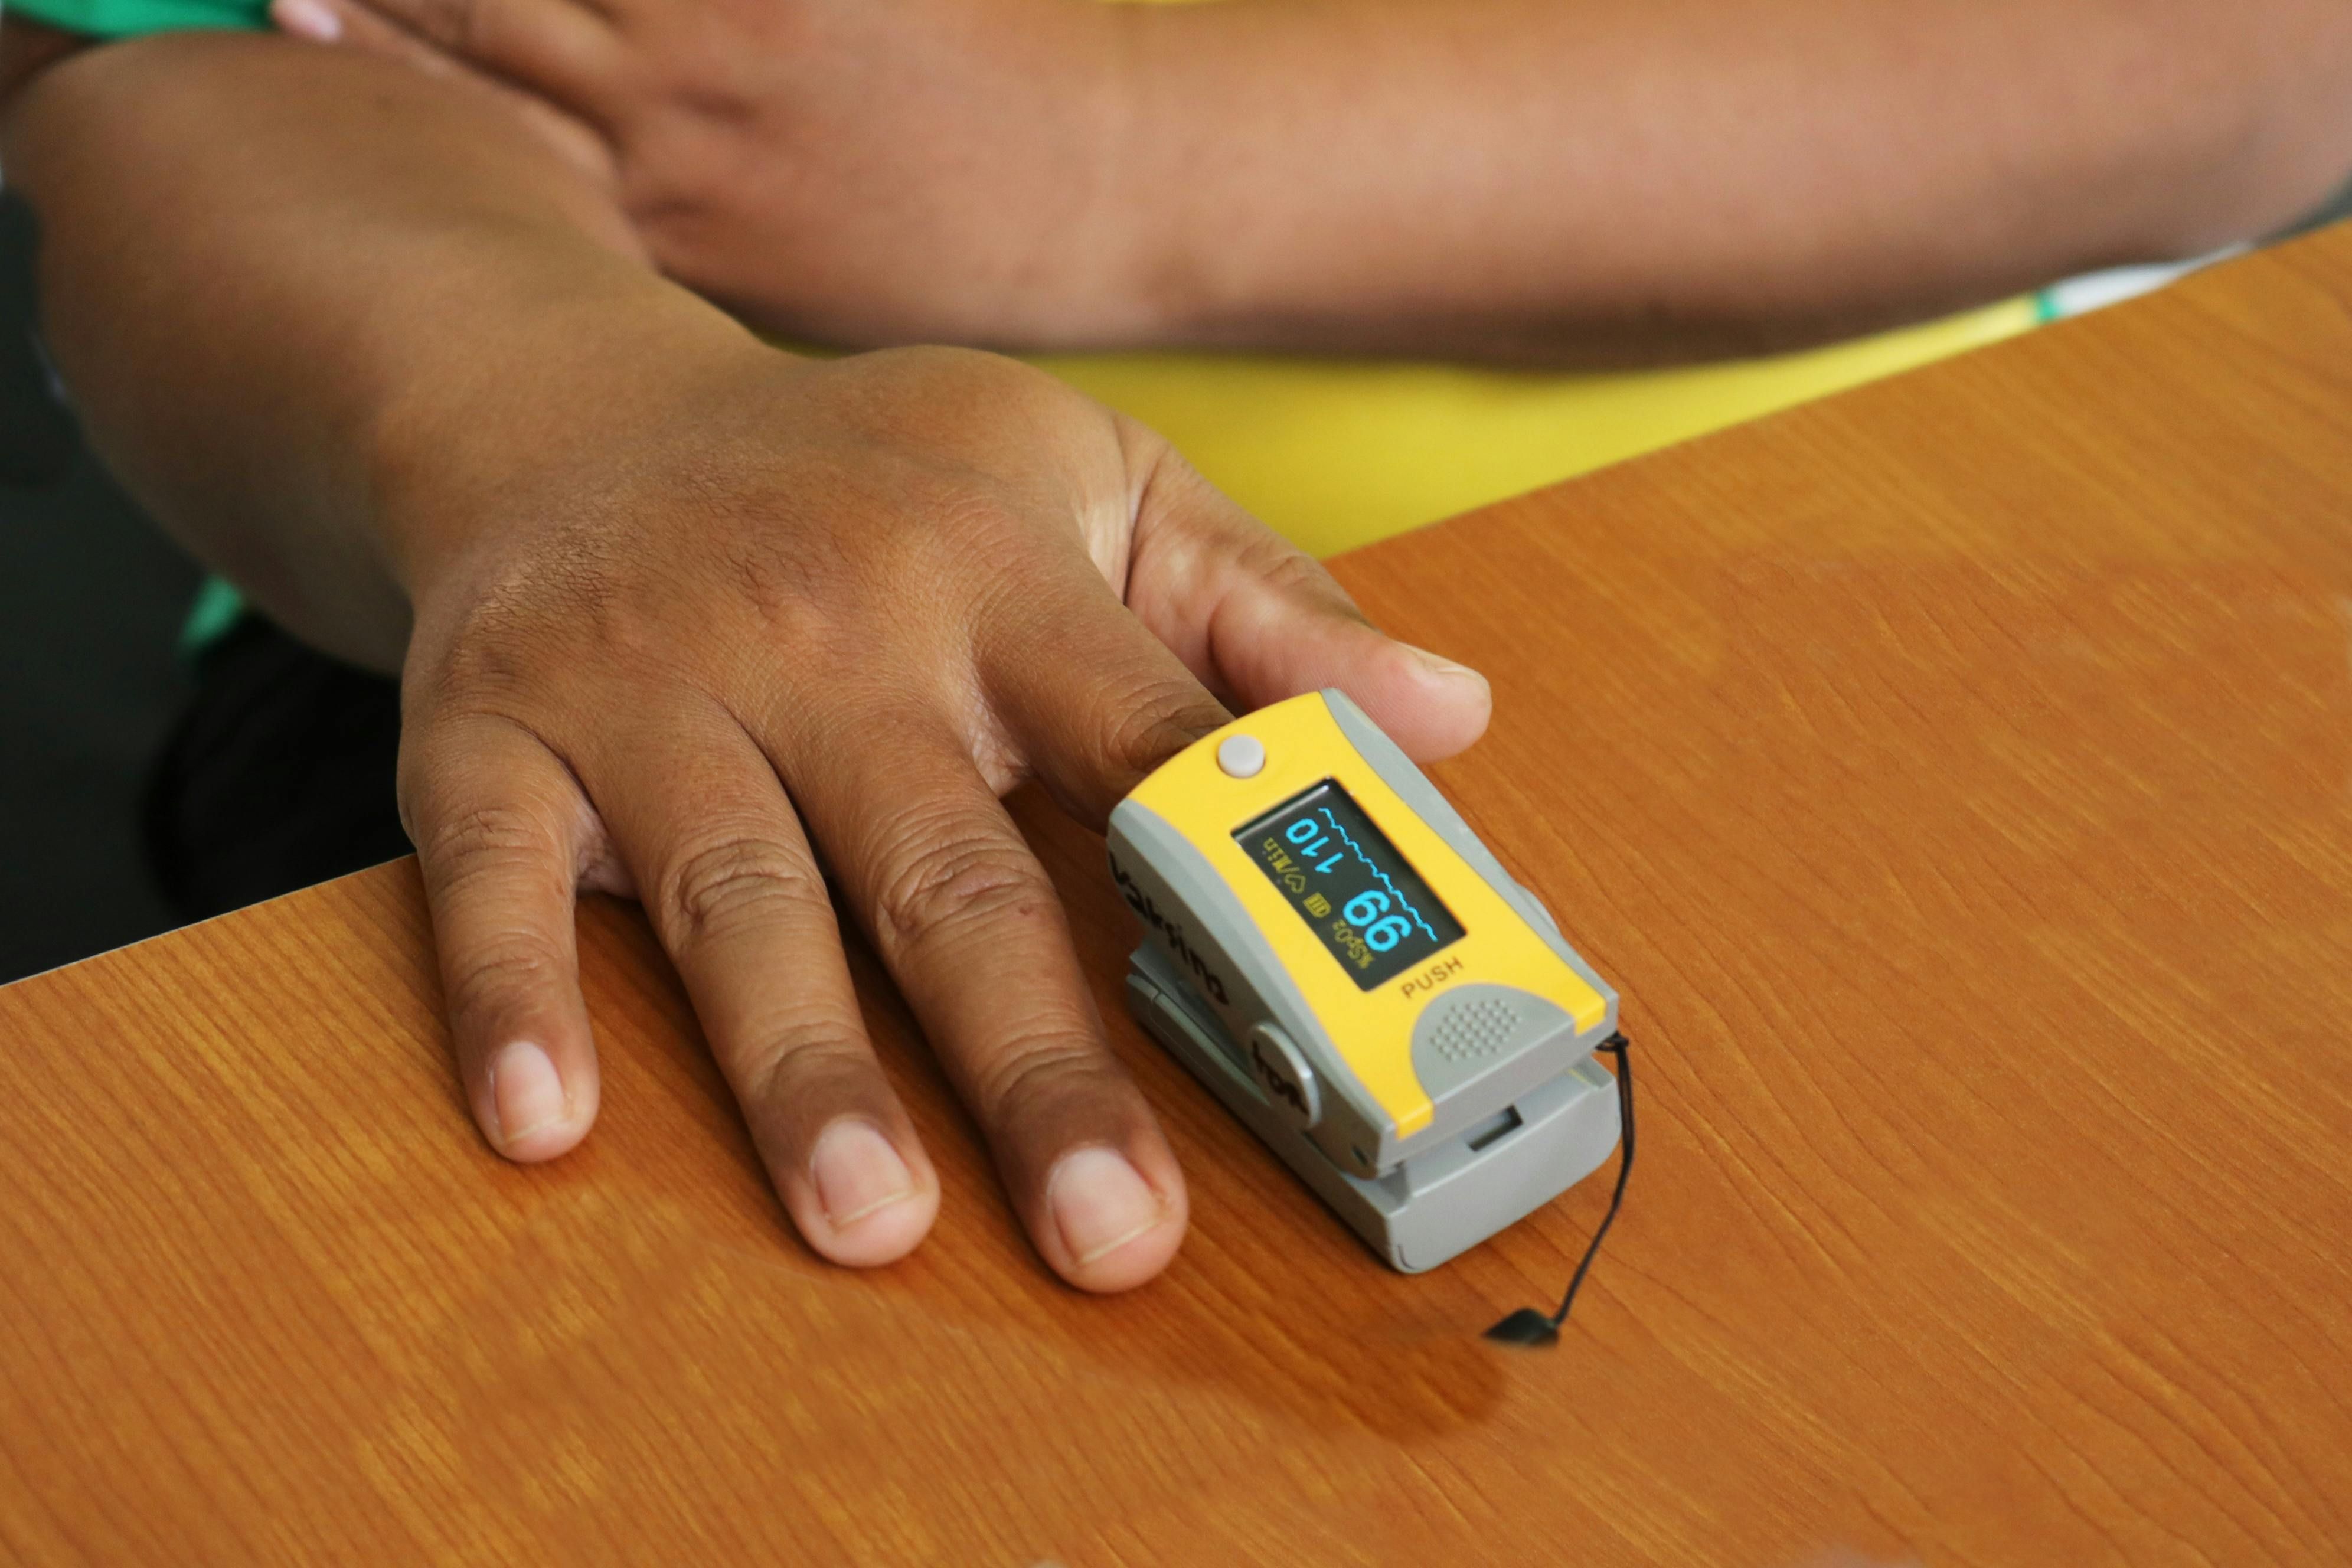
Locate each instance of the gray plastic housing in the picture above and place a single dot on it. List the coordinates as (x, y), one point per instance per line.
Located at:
(1478, 1049)
(1520, 1110)
(1436, 1206)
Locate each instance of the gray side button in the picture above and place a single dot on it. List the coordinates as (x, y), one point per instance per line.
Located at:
(1281, 1069)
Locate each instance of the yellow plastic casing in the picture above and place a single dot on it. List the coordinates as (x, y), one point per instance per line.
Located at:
(1371, 1030)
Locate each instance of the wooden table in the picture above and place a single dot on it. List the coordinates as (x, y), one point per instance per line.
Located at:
(1956, 777)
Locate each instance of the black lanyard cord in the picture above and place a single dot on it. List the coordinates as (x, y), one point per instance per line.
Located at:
(1530, 1326)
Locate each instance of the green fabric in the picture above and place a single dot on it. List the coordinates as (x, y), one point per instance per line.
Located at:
(218, 606)
(122, 18)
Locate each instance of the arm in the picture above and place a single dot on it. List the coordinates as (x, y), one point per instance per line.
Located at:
(1720, 175)
(673, 611)
(206, 305)
(1531, 179)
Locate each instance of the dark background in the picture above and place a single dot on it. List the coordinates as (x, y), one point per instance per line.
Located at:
(91, 598)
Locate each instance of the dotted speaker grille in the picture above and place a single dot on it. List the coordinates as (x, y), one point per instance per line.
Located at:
(1479, 1030)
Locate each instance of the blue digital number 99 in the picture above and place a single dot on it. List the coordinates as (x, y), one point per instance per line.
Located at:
(1331, 863)
(1381, 930)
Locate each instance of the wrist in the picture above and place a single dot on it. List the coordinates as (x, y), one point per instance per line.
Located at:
(465, 469)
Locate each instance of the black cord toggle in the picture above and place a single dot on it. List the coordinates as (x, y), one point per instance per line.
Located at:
(1531, 1326)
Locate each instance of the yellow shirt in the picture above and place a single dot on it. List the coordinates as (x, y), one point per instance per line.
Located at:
(1339, 453)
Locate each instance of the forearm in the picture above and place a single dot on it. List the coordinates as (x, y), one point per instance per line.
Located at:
(1596, 179)
(287, 290)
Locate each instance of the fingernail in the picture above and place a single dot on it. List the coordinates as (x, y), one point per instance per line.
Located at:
(856, 1171)
(524, 1088)
(1437, 664)
(1100, 1203)
(311, 19)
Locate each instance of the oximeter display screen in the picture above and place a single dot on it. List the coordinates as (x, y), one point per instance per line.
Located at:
(1347, 881)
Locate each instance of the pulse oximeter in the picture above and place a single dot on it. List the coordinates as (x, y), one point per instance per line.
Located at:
(1331, 951)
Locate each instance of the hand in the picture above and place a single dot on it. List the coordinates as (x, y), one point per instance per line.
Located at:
(742, 618)
(926, 170)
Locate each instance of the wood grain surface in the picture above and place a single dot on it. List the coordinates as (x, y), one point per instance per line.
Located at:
(1955, 776)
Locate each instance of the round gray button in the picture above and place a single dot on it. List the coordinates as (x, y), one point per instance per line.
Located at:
(1242, 756)
(1281, 1069)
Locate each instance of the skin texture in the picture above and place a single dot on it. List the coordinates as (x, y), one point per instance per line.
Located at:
(678, 616)
(1536, 180)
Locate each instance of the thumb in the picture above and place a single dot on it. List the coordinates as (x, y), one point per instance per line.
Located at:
(1257, 619)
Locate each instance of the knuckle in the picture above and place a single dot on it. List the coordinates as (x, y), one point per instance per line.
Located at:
(956, 880)
(1154, 719)
(498, 970)
(453, 24)
(787, 578)
(737, 882)
(804, 1064)
(530, 616)
(704, 89)
(671, 194)
(1278, 564)
(1034, 1080)
(482, 665)
(483, 841)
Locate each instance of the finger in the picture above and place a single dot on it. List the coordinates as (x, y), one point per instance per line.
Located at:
(553, 48)
(345, 23)
(1258, 620)
(330, 22)
(500, 826)
(734, 893)
(1093, 699)
(969, 925)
